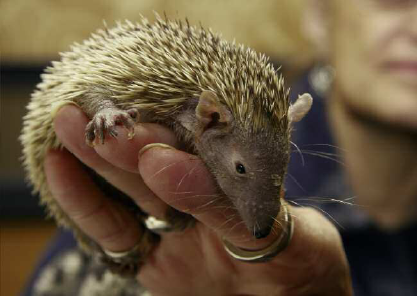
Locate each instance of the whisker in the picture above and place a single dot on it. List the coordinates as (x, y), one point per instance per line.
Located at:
(256, 226)
(180, 192)
(299, 151)
(207, 204)
(166, 167)
(224, 208)
(328, 200)
(293, 202)
(198, 195)
(324, 153)
(324, 156)
(274, 230)
(185, 175)
(325, 213)
(225, 222)
(328, 145)
(296, 182)
(234, 226)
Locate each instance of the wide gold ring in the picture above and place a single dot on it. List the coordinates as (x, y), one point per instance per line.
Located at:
(269, 252)
(127, 263)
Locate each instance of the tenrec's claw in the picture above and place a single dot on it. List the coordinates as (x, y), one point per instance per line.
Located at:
(131, 134)
(105, 121)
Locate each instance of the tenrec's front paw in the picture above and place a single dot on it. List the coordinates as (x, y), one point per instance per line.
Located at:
(105, 121)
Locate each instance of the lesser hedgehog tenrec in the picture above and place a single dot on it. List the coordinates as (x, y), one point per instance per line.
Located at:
(216, 96)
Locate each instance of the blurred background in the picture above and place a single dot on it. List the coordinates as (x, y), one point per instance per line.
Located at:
(33, 32)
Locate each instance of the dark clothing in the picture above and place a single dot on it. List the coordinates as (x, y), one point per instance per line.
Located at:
(382, 264)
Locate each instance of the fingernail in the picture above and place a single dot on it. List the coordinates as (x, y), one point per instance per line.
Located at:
(153, 145)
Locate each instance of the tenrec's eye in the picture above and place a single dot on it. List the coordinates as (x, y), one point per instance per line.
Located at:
(240, 168)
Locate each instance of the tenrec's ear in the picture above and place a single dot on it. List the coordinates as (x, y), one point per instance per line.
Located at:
(300, 108)
(210, 111)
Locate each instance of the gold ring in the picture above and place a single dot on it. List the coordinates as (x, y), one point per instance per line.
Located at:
(127, 263)
(269, 252)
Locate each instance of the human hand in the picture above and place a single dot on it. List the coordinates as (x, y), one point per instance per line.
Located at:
(192, 262)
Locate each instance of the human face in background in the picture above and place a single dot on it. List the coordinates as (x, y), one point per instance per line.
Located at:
(373, 48)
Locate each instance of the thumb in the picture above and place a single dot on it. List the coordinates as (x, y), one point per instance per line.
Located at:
(313, 263)
(314, 254)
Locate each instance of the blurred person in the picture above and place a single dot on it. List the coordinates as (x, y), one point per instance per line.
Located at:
(369, 78)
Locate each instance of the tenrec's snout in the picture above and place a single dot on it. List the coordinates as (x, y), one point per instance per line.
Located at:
(259, 215)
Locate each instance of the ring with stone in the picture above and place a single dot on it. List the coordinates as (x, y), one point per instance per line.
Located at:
(157, 225)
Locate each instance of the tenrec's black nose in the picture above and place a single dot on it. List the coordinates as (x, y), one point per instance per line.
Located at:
(265, 230)
(261, 233)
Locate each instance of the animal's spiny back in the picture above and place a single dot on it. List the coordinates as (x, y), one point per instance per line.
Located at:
(161, 65)
(155, 67)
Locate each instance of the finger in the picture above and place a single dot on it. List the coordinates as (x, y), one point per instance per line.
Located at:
(122, 152)
(183, 181)
(116, 167)
(314, 258)
(112, 227)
